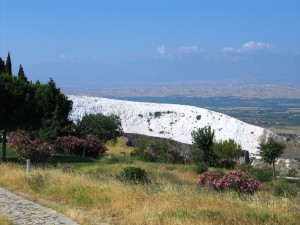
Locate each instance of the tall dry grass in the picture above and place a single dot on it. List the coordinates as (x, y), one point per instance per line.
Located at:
(89, 200)
(4, 220)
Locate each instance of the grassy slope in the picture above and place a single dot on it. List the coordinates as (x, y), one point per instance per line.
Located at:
(92, 193)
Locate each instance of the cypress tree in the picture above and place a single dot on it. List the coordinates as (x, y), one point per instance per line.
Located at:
(21, 74)
(8, 65)
(2, 66)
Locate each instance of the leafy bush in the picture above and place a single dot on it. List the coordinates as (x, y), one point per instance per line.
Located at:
(236, 180)
(103, 127)
(94, 147)
(228, 164)
(25, 148)
(263, 175)
(89, 146)
(208, 178)
(228, 150)
(70, 145)
(37, 181)
(292, 173)
(286, 189)
(155, 151)
(201, 167)
(134, 175)
(297, 183)
(203, 142)
(157, 114)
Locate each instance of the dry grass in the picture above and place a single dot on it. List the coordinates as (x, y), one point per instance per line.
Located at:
(89, 199)
(119, 148)
(4, 220)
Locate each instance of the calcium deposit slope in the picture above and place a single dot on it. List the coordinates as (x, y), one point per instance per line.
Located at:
(171, 121)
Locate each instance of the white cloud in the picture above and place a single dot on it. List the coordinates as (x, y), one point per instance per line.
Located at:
(63, 56)
(179, 52)
(161, 50)
(189, 49)
(248, 47)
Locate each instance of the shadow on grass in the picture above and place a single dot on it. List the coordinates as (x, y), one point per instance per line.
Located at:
(63, 159)
(72, 159)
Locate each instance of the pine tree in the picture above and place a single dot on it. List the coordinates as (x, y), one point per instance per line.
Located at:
(8, 65)
(2, 66)
(21, 74)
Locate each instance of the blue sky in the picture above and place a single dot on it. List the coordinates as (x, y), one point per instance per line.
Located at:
(114, 41)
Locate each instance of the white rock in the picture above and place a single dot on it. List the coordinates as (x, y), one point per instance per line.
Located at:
(175, 122)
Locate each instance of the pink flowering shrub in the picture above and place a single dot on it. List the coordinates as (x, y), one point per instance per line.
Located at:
(25, 148)
(69, 145)
(94, 147)
(207, 178)
(72, 145)
(236, 180)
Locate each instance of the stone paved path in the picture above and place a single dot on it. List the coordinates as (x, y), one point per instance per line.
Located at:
(22, 211)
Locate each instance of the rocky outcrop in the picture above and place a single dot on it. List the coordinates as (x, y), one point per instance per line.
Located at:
(289, 167)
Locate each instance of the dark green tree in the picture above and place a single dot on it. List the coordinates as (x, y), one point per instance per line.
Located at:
(54, 107)
(8, 69)
(228, 150)
(38, 108)
(17, 101)
(104, 127)
(21, 74)
(2, 66)
(203, 142)
(270, 152)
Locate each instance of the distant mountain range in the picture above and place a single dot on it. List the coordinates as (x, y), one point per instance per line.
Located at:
(171, 121)
(196, 89)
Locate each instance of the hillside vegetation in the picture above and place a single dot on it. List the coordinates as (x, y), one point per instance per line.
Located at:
(89, 192)
(83, 169)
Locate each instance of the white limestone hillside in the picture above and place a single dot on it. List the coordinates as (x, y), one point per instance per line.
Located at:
(171, 121)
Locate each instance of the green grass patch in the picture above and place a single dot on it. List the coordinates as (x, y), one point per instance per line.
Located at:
(261, 217)
(192, 214)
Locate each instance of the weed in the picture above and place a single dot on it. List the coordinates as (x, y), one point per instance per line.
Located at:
(177, 214)
(183, 214)
(81, 195)
(263, 175)
(260, 217)
(201, 167)
(38, 181)
(133, 175)
(286, 189)
(207, 213)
